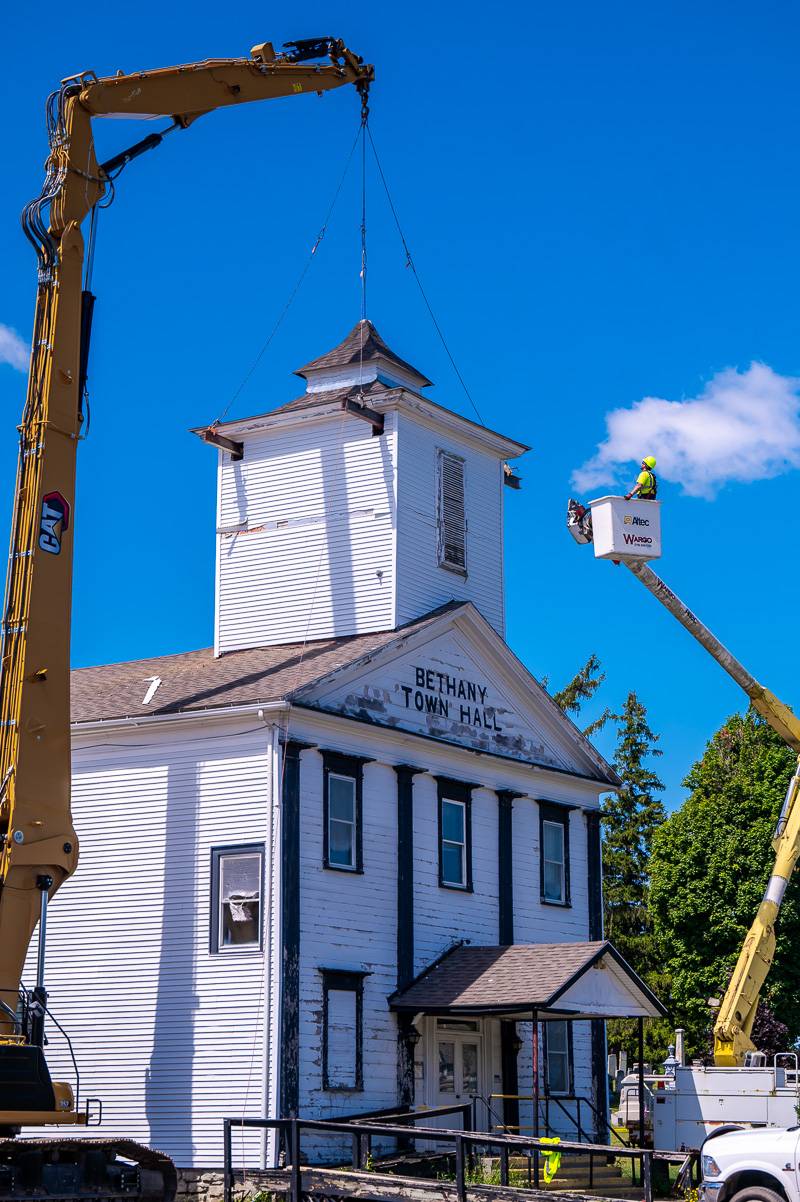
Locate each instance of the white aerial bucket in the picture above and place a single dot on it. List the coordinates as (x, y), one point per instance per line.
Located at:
(626, 529)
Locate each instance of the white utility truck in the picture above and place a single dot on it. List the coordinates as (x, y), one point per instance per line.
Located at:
(752, 1166)
(739, 1087)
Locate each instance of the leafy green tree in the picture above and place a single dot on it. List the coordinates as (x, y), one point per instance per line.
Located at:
(710, 864)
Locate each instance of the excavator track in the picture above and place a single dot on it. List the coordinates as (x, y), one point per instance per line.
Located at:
(71, 1170)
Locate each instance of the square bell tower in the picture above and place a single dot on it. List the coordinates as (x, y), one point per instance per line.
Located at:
(356, 507)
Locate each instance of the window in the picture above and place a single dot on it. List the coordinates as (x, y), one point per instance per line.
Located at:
(341, 821)
(455, 834)
(554, 853)
(342, 1019)
(558, 1057)
(553, 860)
(454, 842)
(342, 812)
(452, 518)
(237, 875)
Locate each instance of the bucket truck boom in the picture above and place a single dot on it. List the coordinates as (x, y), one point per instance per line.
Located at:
(619, 518)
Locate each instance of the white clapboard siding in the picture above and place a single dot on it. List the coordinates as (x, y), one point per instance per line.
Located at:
(422, 584)
(535, 922)
(306, 538)
(582, 1068)
(349, 921)
(169, 1036)
(444, 916)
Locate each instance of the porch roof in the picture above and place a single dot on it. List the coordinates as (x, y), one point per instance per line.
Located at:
(557, 980)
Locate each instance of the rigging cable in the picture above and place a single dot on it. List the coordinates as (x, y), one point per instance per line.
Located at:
(295, 289)
(362, 330)
(284, 727)
(410, 263)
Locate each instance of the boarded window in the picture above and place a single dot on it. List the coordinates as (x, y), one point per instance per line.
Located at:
(342, 1035)
(236, 884)
(452, 518)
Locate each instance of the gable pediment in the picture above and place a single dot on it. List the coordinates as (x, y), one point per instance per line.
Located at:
(457, 681)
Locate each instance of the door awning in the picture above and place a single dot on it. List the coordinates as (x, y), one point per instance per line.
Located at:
(557, 980)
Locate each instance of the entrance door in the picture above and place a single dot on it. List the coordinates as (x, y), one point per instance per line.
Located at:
(457, 1061)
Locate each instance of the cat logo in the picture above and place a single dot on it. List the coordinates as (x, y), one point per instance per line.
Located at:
(53, 522)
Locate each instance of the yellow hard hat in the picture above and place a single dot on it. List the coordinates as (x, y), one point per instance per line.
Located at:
(649, 461)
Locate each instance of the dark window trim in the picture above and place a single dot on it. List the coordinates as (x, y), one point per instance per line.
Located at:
(455, 790)
(348, 981)
(553, 812)
(594, 866)
(340, 764)
(570, 1061)
(233, 849)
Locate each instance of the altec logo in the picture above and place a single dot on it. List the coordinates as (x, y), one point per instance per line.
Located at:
(629, 520)
(53, 522)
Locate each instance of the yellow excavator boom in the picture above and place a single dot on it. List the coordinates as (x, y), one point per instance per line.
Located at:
(38, 845)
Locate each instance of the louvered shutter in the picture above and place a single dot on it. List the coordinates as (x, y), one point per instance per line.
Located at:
(452, 515)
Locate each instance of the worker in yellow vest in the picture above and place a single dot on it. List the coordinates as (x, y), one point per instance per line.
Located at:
(646, 485)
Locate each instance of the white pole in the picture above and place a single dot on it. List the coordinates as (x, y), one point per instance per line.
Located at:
(779, 716)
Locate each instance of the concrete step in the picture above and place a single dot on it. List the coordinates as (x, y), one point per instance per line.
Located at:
(600, 1172)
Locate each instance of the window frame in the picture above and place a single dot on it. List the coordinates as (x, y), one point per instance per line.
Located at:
(215, 947)
(337, 764)
(461, 793)
(343, 981)
(558, 815)
(570, 1054)
(441, 543)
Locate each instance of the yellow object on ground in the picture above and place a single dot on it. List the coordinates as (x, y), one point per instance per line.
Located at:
(552, 1160)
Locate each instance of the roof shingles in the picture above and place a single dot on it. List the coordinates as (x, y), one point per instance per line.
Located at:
(197, 680)
(518, 978)
(362, 344)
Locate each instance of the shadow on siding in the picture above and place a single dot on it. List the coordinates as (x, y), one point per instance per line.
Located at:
(168, 1082)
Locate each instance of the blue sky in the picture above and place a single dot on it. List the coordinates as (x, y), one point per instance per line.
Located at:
(602, 202)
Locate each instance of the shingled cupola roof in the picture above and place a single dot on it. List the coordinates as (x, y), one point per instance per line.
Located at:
(362, 357)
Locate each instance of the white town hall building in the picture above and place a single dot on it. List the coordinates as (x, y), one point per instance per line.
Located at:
(324, 862)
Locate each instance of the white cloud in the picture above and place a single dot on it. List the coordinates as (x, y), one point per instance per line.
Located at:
(12, 349)
(744, 426)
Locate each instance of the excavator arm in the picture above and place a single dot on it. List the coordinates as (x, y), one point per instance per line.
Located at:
(737, 1010)
(38, 845)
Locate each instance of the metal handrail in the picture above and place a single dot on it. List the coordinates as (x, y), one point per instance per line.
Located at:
(463, 1143)
(479, 1097)
(560, 1099)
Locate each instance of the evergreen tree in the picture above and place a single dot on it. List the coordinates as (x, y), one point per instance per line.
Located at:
(581, 688)
(630, 820)
(710, 865)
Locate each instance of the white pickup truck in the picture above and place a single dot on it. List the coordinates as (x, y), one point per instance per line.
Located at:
(752, 1165)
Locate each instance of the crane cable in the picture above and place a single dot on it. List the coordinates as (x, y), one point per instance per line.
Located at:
(410, 263)
(295, 289)
(363, 276)
(284, 725)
